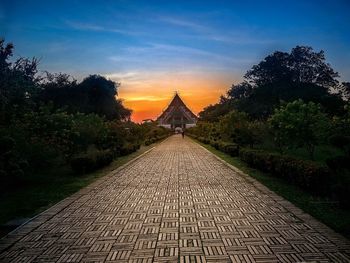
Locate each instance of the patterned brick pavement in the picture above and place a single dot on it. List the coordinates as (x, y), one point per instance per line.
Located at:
(176, 203)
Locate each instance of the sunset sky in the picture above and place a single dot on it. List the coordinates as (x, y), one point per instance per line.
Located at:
(154, 48)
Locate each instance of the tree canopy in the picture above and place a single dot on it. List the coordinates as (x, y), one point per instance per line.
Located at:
(301, 65)
(283, 77)
(22, 88)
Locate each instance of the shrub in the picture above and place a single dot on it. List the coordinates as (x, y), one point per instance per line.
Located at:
(127, 148)
(308, 175)
(299, 124)
(339, 162)
(340, 165)
(341, 188)
(11, 166)
(215, 144)
(6, 144)
(230, 148)
(155, 138)
(340, 141)
(82, 164)
(91, 160)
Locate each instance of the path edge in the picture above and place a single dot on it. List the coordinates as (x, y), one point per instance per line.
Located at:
(31, 224)
(342, 243)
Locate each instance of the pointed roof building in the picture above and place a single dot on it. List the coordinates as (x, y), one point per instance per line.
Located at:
(177, 114)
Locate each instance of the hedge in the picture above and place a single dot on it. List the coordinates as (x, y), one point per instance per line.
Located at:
(151, 140)
(129, 148)
(12, 167)
(226, 147)
(308, 175)
(90, 161)
(332, 181)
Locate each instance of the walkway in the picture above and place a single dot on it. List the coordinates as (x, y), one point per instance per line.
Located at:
(176, 203)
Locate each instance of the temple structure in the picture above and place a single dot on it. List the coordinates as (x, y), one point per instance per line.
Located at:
(177, 115)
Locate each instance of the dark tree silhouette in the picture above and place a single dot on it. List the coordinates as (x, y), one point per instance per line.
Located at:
(240, 91)
(283, 77)
(302, 65)
(307, 66)
(22, 89)
(274, 68)
(95, 94)
(18, 83)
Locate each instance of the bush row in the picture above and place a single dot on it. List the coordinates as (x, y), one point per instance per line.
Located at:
(226, 147)
(128, 148)
(151, 140)
(309, 175)
(94, 159)
(12, 167)
(91, 160)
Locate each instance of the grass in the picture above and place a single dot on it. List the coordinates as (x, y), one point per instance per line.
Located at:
(321, 208)
(44, 190)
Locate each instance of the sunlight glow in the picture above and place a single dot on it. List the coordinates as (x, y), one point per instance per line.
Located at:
(149, 96)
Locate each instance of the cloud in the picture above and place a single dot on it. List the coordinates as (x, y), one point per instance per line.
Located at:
(148, 98)
(98, 28)
(172, 50)
(183, 23)
(122, 75)
(177, 57)
(231, 36)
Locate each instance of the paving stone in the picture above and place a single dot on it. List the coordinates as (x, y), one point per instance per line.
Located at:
(176, 203)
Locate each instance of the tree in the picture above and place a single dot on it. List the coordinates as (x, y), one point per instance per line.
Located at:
(6, 51)
(301, 65)
(240, 91)
(340, 133)
(95, 94)
(274, 68)
(18, 84)
(345, 90)
(285, 77)
(214, 112)
(299, 124)
(307, 66)
(237, 127)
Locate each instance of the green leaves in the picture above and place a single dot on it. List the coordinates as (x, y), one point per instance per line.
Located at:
(299, 124)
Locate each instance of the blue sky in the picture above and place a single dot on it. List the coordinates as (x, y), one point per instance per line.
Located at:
(140, 42)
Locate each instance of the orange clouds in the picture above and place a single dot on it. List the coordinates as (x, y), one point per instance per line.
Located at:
(148, 94)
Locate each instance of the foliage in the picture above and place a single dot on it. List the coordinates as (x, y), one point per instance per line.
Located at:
(54, 120)
(214, 112)
(306, 174)
(237, 127)
(91, 160)
(240, 91)
(18, 86)
(95, 94)
(11, 166)
(302, 65)
(340, 136)
(344, 90)
(283, 77)
(299, 124)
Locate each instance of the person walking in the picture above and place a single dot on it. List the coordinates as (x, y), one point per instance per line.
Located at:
(183, 134)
